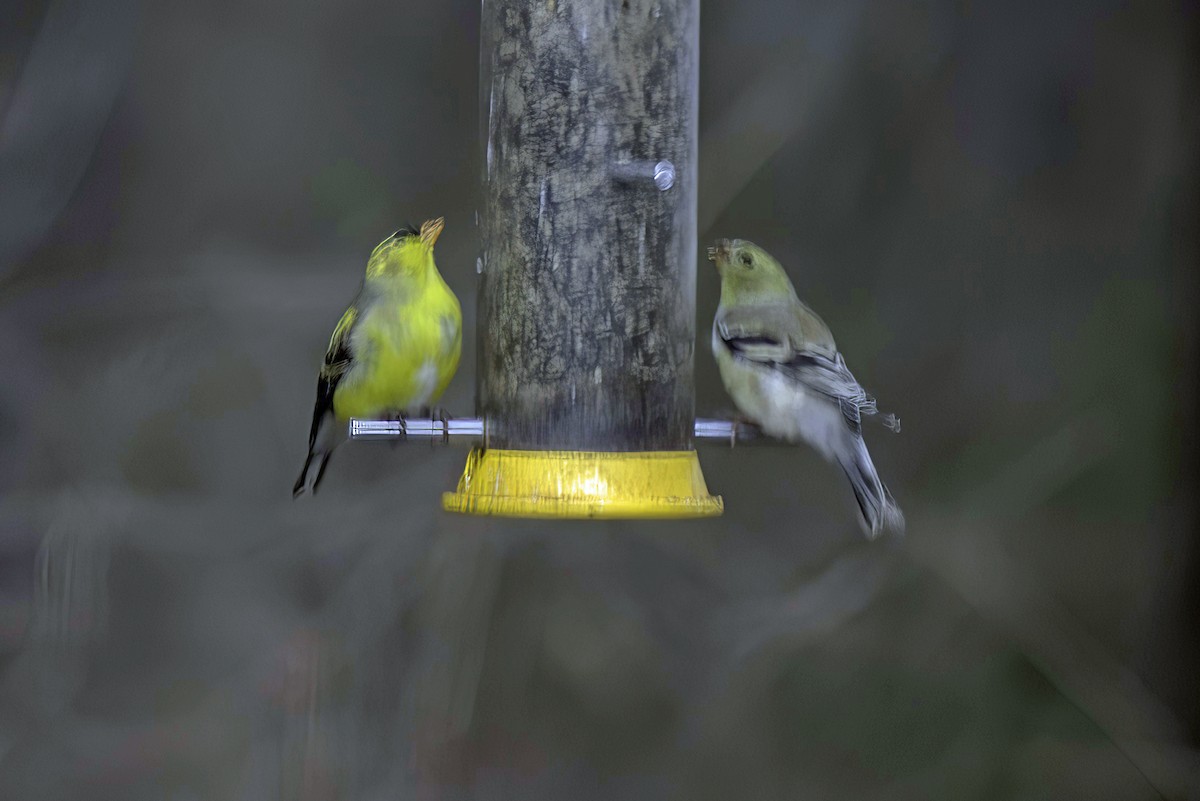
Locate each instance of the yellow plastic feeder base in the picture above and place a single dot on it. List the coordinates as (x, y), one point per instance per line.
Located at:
(583, 484)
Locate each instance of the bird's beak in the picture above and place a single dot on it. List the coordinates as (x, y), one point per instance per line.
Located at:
(431, 229)
(719, 252)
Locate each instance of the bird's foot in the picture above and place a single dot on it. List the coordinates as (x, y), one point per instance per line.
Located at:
(398, 416)
(742, 424)
(444, 416)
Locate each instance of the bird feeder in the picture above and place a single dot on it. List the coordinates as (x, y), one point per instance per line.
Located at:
(586, 315)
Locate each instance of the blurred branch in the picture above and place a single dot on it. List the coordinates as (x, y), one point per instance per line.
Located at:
(59, 108)
(966, 550)
(821, 606)
(732, 152)
(787, 92)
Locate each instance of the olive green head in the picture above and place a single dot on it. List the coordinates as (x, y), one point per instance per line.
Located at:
(406, 253)
(748, 272)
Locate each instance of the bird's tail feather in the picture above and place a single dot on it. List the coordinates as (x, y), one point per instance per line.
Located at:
(327, 433)
(321, 470)
(312, 473)
(302, 482)
(878, 508)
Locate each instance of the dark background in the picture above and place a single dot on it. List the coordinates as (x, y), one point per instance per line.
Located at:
(993, 205)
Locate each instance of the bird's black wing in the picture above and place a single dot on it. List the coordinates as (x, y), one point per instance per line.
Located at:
(818, 372)
(753, 339)
(338, 358)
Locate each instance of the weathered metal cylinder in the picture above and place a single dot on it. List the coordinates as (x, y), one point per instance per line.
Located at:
(588, 224)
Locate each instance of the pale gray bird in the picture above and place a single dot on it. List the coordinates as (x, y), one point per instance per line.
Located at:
(780, 365)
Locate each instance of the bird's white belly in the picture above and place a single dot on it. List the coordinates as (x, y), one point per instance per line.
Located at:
(780, 405)
(425, 384)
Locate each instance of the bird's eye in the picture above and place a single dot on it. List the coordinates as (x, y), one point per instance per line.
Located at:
(747, 261)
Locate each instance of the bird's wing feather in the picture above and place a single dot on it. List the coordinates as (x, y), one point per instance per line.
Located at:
(762, 334)
(338, 358)
(774, 339)
(831, 378)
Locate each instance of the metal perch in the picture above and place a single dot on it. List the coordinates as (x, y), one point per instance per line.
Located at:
(471, 431)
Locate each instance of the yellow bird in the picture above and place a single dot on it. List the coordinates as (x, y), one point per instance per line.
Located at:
(394, 350)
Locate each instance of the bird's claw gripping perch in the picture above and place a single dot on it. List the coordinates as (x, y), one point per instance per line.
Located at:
(440, 413)
(403, 421)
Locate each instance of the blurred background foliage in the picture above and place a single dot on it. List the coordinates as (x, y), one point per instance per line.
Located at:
(993, 204)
